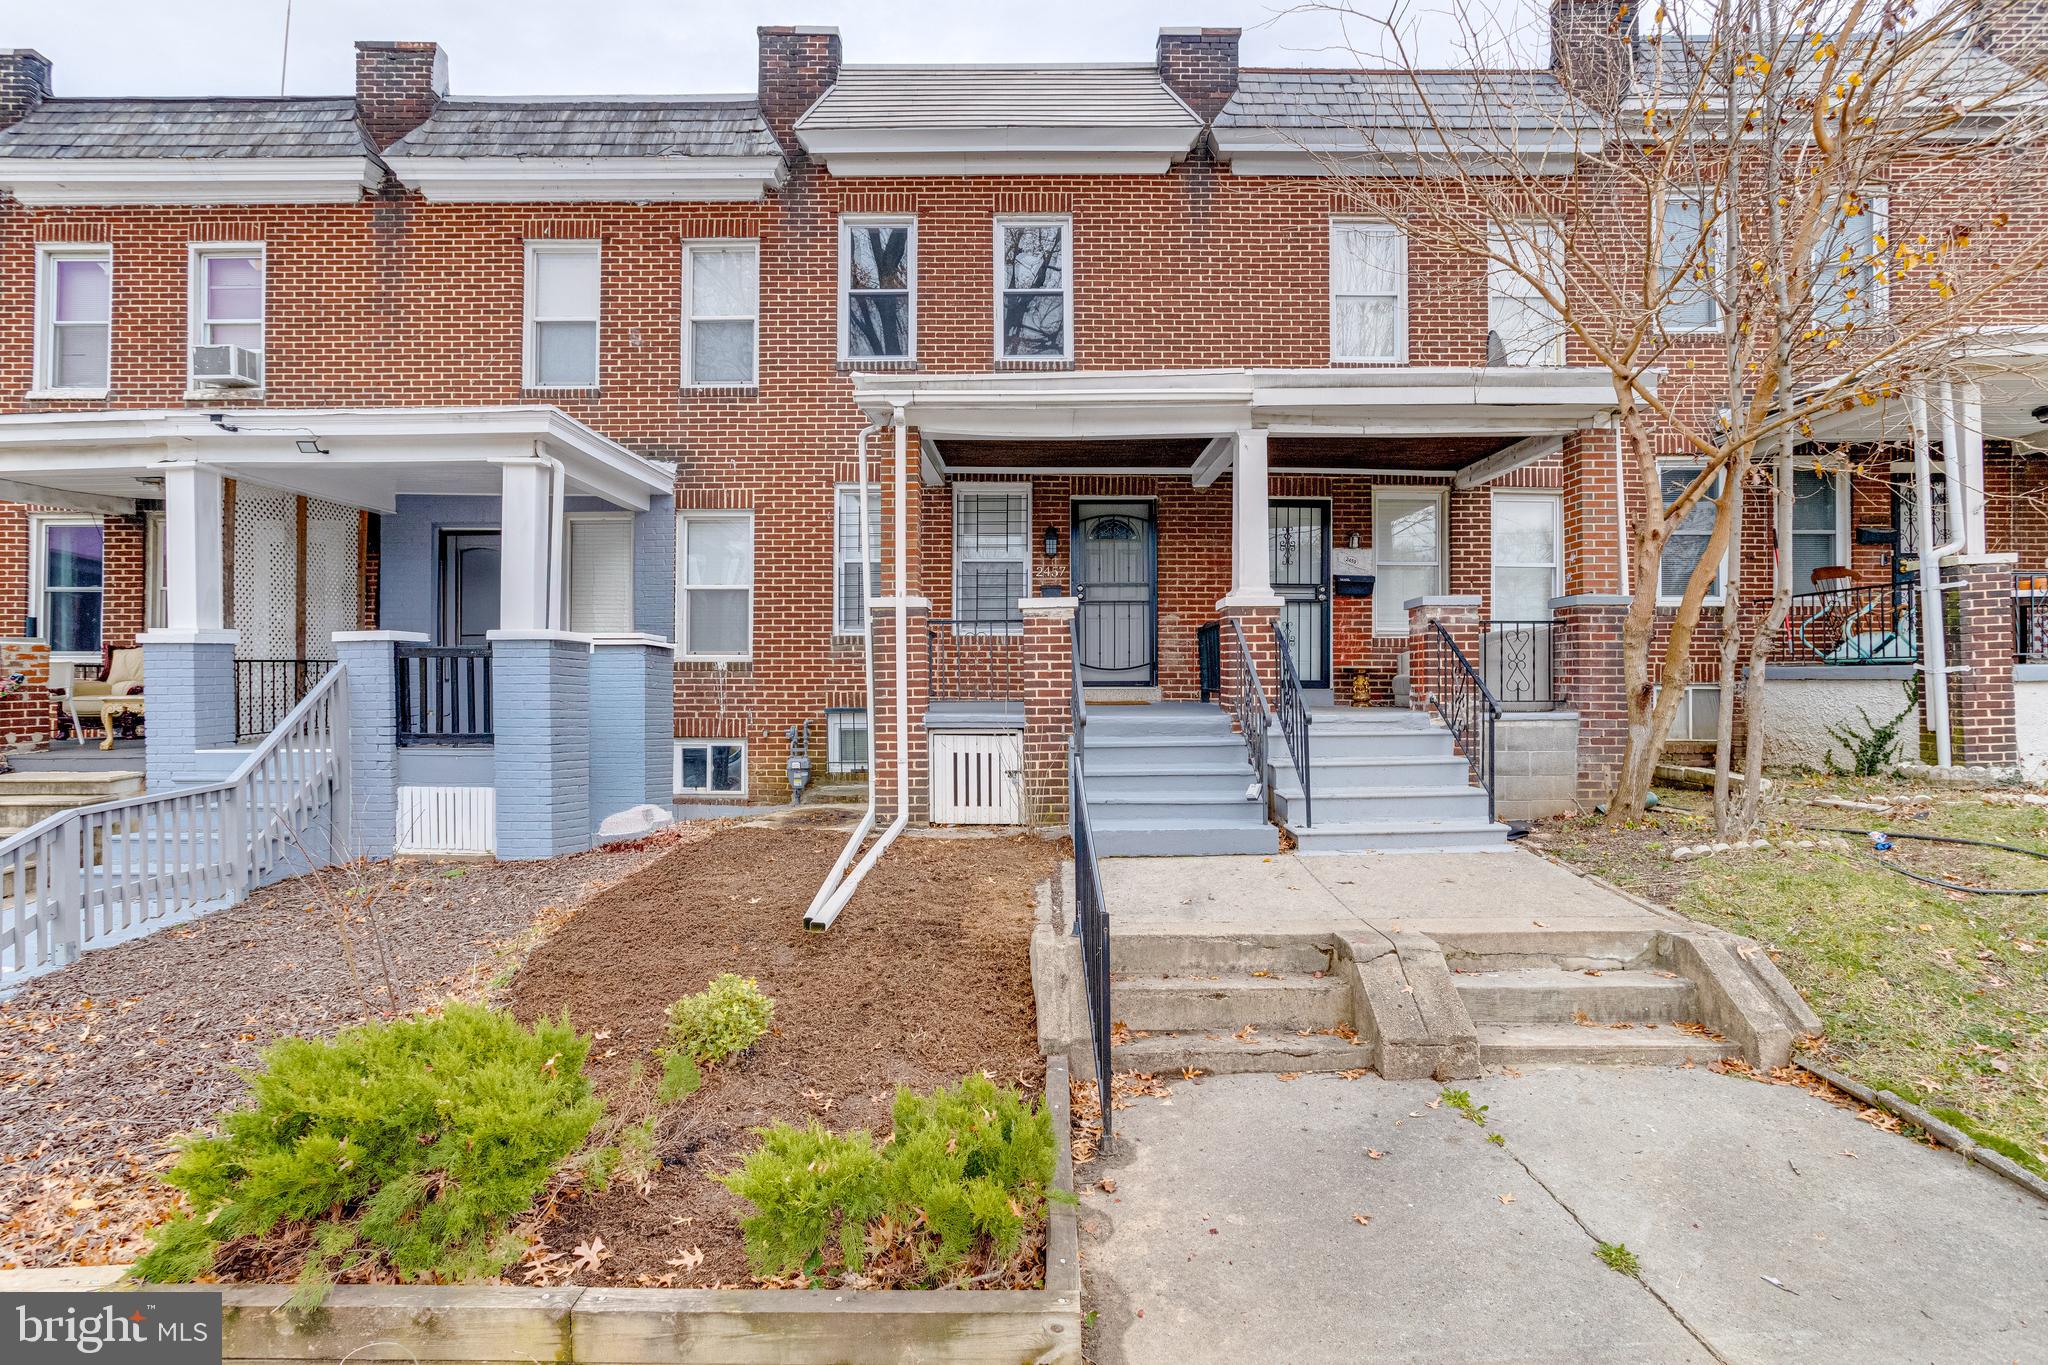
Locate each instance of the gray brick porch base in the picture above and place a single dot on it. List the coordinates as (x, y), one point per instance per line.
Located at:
(541, 703)
(189, 679)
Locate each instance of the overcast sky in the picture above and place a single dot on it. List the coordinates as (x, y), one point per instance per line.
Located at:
(582, 47)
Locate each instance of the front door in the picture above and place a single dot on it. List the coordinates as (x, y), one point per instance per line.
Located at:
(469, 586)
(1298, 545)
(1116, 576)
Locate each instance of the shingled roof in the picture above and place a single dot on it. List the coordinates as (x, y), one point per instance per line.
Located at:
(111, 129)
(1399, 100)
(989, 96)
(591, 128)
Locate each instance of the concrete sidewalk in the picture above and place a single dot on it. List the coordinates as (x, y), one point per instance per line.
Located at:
(1231, 1233)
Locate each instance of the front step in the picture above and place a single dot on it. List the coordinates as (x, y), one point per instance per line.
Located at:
(1229, 1054)
(1384, 805)
(1227, 1003)
(1596, 1045)
(1171, 780)
(1182, 838)
(1401, 836)
(1553, 995)
(98, 786)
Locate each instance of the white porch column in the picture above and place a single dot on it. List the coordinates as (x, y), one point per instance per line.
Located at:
(193, 569)
(1970, 418)
(526, 524)
(1251, 576)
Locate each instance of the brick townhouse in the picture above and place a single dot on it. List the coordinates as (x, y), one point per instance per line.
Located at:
(551, 422)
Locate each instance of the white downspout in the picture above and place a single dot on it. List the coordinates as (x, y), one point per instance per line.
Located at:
(839, 884)
(1620, 504)
(557, 501)
(1933, 638)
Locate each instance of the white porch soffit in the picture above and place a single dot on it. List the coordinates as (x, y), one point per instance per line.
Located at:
(104, 461)
(2008, 366)
(998, 120)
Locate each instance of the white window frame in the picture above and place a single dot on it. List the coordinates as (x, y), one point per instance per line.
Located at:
(1721, 579)
(707, 744)
(1717, 261)
(196, 320)
(1840, 479)
(848, 222)
(1681, 719)
(549, 246)
(1065, 223)
(971, 489)
(1385, 495)
(1556, 566)
(1503, 282)
(573, 520)
(1378, 228)
(156, 611)
(1879, 292)
(838, 719)
(684, 520)
(38, 584)
(841, 556)
(691, 249)
(45, 369)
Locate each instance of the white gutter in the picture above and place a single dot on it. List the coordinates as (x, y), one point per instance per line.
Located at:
(557, 617)
(839, 884)
(1933, 639)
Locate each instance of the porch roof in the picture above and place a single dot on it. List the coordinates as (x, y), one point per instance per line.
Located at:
(2009, 366)
(361, 457)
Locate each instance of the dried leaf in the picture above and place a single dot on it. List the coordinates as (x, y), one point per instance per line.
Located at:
(591, 1254)
(1361, 1218)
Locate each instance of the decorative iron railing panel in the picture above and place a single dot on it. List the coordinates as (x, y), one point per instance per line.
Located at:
(1518, 661)
(2030, 618)
(1248, 705)
(1209, 658)
(966, 661)
(444, 694)
(1851, 626)
(1460, 697)
(1294, 721)
(267, 689)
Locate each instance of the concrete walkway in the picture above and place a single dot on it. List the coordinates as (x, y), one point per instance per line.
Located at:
(1231, 1234)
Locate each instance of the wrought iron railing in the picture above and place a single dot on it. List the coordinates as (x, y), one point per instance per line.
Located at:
(2030, 618)
(1248, 705)
(1078, 702)
(267, 689)
(1518, 659)
(969, 661)
(1294, 720)
(1209, 659)
(1091, 921)
(1852, 625)
(444, 694)
(1460, 697)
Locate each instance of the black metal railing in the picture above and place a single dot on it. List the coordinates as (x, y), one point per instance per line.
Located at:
(1209, 658)
(1294, 720)
(1248, 705)
(444, 694)
(2030, 618)
(267, 689)
(1077, 704)
(1460, 697)
(970, 661)
(1852, 625)
(1091, 921)
(1518, 659)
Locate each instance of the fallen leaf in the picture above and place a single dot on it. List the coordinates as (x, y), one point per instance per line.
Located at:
(1288, 1076)
(689, 1260)
(1361, 1219)
(591, 1254)
(1106, 1185)
(1507, 1199)
(1375, 1153)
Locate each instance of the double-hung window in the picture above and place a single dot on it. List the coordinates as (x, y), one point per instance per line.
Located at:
(599, 585)
(1690, 244)
(721, 313)
(1408, 553)
(991, 556)
(74, 319)
(1848, 279)
(1820, 526)
(877, 288)
(1523, 328)
(67, 577)
(715, 584)
(1528, 529)
(1368, 292)
(850, 609)
(227, 297)
(1034, 289)
(562, 284)
(1688, 543)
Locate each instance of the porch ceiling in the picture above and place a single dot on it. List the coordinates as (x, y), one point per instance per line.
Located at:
(2009, 367)
(1440, 455)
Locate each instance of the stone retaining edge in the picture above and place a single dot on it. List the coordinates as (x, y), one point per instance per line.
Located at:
(1947, 1134)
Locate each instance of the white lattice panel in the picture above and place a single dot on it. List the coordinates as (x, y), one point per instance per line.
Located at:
(447, 820)
(333, 587)
(266, 574)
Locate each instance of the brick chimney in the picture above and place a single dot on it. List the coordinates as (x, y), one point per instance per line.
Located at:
(398, 85)
(797, 64)
(1200, 65)
(24, 83)
(1592, 48)
(2013, 30)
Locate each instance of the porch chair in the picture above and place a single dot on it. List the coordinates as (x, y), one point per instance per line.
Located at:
(121, 677)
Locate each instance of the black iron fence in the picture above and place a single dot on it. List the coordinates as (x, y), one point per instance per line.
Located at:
(1248, 704)
(1294, 721)
(967, 661)
(1091, 921)
(1459, 695)
(267, 689)
(444, 694)
(1854, 625)
(1519, 661)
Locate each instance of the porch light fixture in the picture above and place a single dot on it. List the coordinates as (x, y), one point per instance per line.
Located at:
(310, 445)
(1052, 542)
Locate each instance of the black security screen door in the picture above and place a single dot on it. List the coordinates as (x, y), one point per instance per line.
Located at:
(1298, 542)
(1116, 578)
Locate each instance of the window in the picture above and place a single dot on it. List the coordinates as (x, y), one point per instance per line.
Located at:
(66, 574)
(1820, 526)
(561, 314)
(1407, 539)
(850, 615)
(598, 593)
(1368, 292)
(1034, 289)
(721, 310)
(711, 767)
(1848, 288)
(1689, 542)
(715, 601)
(846, 734)
(878, 288)
(74, 305)
(1527, 570)
(1522, 327)
(1698, 717)
(227, 297)
(1690, 248)
(991, 556)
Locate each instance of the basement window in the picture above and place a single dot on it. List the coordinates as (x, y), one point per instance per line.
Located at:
(847, 740)
(711, 767)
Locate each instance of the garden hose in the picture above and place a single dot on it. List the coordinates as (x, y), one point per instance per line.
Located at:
(1945, 839)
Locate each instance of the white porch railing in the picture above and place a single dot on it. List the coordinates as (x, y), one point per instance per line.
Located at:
(85, 875)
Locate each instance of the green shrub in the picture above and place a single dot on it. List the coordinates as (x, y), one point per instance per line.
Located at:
(415, 1143)
(725, 1018)
(966, 1173)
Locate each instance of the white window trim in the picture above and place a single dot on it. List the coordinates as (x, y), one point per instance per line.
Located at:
(575, 519)
(1065, 223)
(195, 312)
(847, 222)
(1556, 501)
(1712, 599)
(971, 489)
(1400, 355)
(1717, 264)
(530, 348)
(47, 255)
(839, 628)
(676, 769)
(1880, 285)
(1409, 493)
(683, 588)
(1682, 717)
(836, 720)
(38, 553)
(752, 247)
(156, 578)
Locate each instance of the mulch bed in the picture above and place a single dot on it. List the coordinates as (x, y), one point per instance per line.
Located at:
(925, 978)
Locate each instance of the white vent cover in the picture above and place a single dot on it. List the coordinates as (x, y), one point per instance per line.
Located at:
(447, 820)
(977, 779)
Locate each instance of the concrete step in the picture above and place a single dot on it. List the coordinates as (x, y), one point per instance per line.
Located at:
(1553, 995)
(96, 785)
(1177, 952)
(1163, 801)
(1171, 776)
(1182, 837)
(1403, 836)
(1378, 741)
(1225, 1054)
(19, 812)
(1563, 942)
(1172, 718)
(1574, 1044)
(1340, 776)
(1227, 1003)
(1111, 749)
(1386, 805)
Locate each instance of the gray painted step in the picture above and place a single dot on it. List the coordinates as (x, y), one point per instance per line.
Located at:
(1170, 775)
(1535, 1044)
(1228, 1003)
(1339, 776)
(1387, 805)
(1167, 802)
(1389, 836)
(1110, 747)
(1375, 742)
(1117, 838)
(1557, 996)
(1224, 1054)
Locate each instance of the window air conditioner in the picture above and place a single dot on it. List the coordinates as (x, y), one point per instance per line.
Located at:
(233, 367)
